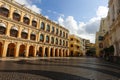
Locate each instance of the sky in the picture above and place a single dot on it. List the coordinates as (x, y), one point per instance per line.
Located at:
(81, 17)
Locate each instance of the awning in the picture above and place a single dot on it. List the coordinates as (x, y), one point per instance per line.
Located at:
(17, 11)
(3, 25)
(26, 31)
(5, 6)
(15, 28)
(27, 16)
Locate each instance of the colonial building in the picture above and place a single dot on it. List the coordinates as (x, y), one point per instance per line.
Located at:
(114, 20)
(24, 33)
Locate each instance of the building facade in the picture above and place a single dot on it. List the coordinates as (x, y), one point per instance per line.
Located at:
(74, 46)
(24, 33)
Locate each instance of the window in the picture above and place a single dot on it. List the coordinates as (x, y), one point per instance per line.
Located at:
(26, 20)
(13, 33)
(53, 30)
(4, 11)
(66, 35)
(52, 40)
(71, 45)
(60, 33)
(2, 30)
(66, 43)
(47, 39)
(57, 31)
(71, 39)
(63, 34)
(48, 28)
(63, 42)
(34, 23)
(32, 37)
(24, 35)
(60, 42)
(42, 38)
(56, 41)
(42, 25)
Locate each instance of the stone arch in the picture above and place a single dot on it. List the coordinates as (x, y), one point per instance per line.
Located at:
(31, 51)
(56, 52)
(51, 52)
(22, 50)
(46, 52)
(40, 51)
(11, 50)
(60, 52)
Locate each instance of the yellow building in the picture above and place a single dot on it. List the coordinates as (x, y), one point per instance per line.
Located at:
(24, 33)
(100, 36)
(74, 46)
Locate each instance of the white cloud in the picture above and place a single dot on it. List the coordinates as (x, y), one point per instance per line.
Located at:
(82, 29)
(47, 17)
(29, 4)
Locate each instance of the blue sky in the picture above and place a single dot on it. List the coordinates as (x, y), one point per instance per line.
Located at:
(82, 10)
(81, 17)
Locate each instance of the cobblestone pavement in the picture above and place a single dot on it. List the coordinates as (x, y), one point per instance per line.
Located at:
(59, 69)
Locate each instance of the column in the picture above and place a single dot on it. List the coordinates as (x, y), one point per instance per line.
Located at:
(27, 51)
(35, 50)
(4, 47)
(57, 52)
(19, 32)
(61, 52)
(8, 29)
(53, 53)
(17, 50)
(29, 32)
(49, 51)
(11, 12)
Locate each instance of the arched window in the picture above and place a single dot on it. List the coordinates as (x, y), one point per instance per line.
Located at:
(48, 28)
(60, 42)
(43, 26)
(66, 35)
(34, 23)
(32, 36)
(42, 38)
(16, 15)
(63, 43)
(4, 10)
(47, 39)
(66, 43)
(52, 40)
(24, 34)
(2, 28)
(14, 32)
(26, 19)
(57, 31)
(60, 33)
(63, 34)
(53, 29)
(56, 41)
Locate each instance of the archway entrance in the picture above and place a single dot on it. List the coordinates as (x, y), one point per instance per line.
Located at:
(0, 49)
(60, 54)
(46, 52)
(40, 52)
(22, 51)
(56, 52)
(31, 51)
(11, 50)
(51, 52)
